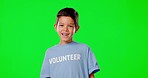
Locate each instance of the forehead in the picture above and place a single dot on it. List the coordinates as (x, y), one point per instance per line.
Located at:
(66, 19)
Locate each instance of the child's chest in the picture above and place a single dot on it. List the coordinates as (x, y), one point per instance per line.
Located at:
(67, 58)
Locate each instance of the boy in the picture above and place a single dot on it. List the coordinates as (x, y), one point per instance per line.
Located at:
(68, 59)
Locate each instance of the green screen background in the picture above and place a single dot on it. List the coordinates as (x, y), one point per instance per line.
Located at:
(116, 31)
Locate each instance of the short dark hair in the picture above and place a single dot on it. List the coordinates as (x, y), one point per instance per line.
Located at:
(68, 12)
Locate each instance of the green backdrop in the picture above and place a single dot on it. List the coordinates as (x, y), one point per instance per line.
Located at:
(116, 31)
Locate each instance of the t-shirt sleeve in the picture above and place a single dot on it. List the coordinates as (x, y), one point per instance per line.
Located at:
(92, 63)
(45, 68)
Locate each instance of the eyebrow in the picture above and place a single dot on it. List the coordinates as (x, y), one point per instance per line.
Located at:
(72, 23)
(60, 22)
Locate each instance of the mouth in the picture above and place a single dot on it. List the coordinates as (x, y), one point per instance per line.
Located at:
(65, 34)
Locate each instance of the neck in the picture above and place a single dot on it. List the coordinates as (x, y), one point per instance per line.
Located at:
(65, 42)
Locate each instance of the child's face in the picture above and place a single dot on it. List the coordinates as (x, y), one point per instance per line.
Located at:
(65, 28)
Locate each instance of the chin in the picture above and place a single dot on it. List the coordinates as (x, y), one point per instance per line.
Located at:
(66, 40)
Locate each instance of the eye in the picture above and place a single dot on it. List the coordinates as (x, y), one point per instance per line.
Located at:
(70, 26)
(60, 25)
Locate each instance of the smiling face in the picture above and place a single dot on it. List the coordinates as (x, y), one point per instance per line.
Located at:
(65, 28)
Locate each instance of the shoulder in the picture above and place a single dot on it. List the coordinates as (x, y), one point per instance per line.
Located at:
(50, 49)
(82, 46)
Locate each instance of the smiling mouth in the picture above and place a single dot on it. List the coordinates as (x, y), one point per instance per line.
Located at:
(65, 34)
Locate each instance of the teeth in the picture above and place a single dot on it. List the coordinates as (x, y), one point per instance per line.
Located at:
(64, 34)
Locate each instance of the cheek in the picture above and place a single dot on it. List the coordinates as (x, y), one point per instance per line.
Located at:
(58, 29)
(74, 30)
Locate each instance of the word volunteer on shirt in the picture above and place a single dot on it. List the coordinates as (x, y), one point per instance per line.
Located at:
(64, 58)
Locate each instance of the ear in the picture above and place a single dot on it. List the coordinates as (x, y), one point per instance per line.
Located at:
(55, 26)
(77, 28)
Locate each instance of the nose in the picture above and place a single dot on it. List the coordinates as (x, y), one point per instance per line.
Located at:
(65, 28)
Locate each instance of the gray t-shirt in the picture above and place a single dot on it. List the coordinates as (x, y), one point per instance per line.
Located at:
(72, 60)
